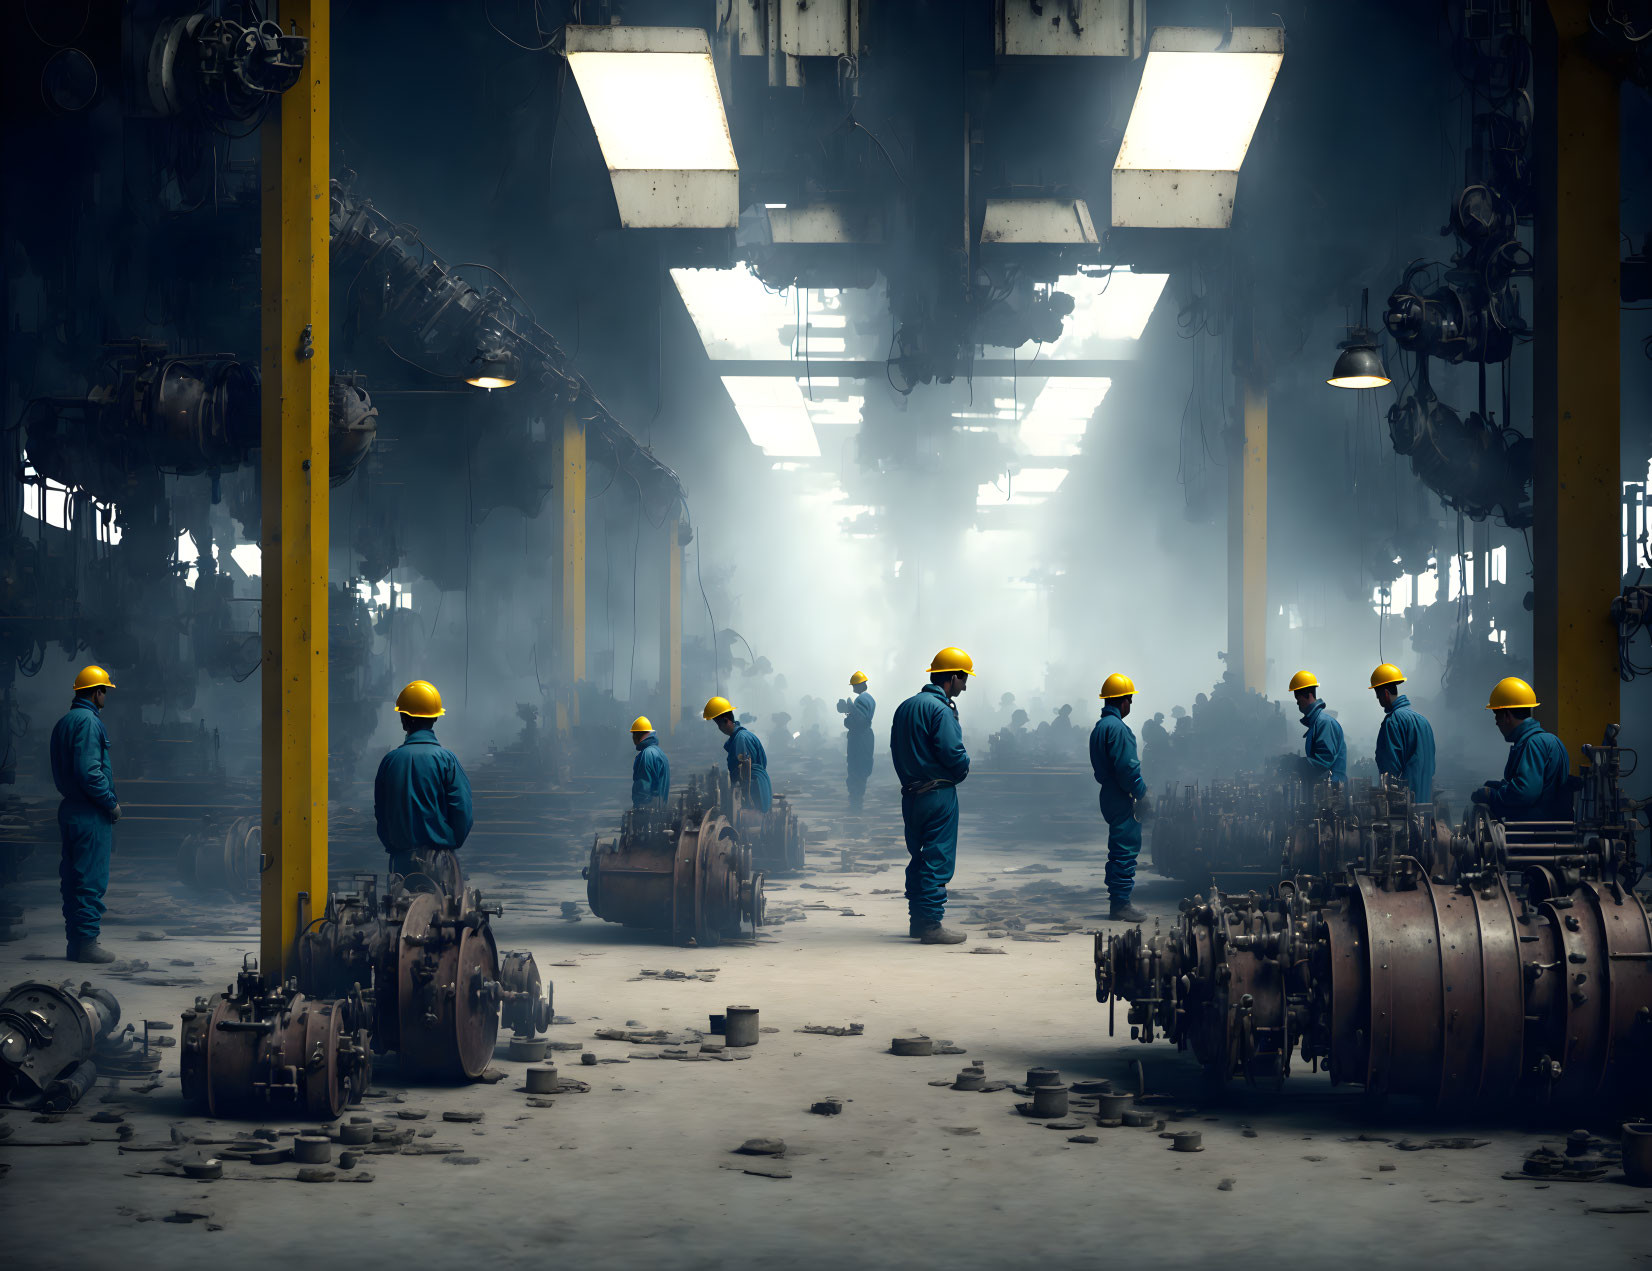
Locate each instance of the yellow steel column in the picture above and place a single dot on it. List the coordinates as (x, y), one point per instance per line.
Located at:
(1248, 541)
(671, 623)
(569, 450)
(1576, 484)
(294, 362)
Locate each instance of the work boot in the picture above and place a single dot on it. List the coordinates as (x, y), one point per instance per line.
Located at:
(937, 934)
(1124, 911)
(93, 952)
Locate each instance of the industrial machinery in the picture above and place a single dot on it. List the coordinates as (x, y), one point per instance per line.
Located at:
(775, 837)
(1373, 822)
(223, 857)
(254, 1051)
(47, 1035)
(427, 974)
(1452, 980)
(682, 869)
(1230, 831)
(1456, 993)
(1598, 843)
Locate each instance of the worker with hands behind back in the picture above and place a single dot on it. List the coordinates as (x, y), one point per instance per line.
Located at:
(86, 817)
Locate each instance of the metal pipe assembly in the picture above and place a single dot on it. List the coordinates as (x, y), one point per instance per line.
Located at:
(1453, 979)
(683, 869)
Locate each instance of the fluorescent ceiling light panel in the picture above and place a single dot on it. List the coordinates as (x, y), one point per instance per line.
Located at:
(1055, 424)
(653, 99)
(1028, 487)
(736, 315)
(1198, 105)
(1039, 221)
(775, 414)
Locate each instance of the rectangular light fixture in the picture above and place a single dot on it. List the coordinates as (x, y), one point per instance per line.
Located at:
(775, 415)
(1201, 95)
(1022, 489)
(1065, 221)
(652, 95)
(1056, 422)
(736, 315)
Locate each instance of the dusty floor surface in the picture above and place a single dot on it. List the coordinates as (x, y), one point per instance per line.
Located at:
(639, 1171)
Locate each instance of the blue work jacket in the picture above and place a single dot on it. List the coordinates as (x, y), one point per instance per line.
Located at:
(1114, 761)
(1405, 749)
(1324, 744)
(1536, 784)
(859, 719)
(650, 774)
(80, 757)
(421, 797)
(745, 742)
(926, 742)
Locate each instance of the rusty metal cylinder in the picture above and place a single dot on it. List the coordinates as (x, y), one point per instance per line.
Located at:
(740, 1026)
(1049, 1100)
(683, 870)
(251, 1052)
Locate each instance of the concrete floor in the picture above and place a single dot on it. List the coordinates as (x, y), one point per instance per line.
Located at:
(632, 1173)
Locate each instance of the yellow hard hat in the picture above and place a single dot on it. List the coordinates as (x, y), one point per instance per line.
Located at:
(420, 700)
(1512, 694)
(954, 660)
(641, 725)
(1387, 673)
(859, 677)
(718, 706)
(1118, 686)
(92, 677)
(1302, 680)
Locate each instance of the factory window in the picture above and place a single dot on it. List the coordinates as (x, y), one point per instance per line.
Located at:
(57, 505)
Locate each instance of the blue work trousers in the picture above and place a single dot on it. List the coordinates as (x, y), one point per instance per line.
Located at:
(88, 837)
(931, 821)
(1123, 846)
(860, 768)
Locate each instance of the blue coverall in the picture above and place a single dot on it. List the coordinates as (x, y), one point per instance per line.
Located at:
(859, 723)
(926, 744)
(1118, 772)
(421, 800)
(85, 818)
(1324, 744)
(744, 742)
(1405, 748)
(650, 774)
(1536, 784)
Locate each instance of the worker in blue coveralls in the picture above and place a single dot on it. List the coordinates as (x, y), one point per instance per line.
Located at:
(1537, 780)
(1118, 772)
(1405, 742)
(742, 743)
(926, 745)
(1323, 743)
(857, 718)
(86, 817)
(421, 796)
(650, 770)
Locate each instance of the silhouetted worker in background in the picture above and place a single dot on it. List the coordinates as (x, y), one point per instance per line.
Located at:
(421, 796)
(1323, 743)
(1405, 742)
(857, 718)
(926, 745)
(1118, 772)
(86, 817)
(742, 743)
(650, 770)
(1537, 779)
